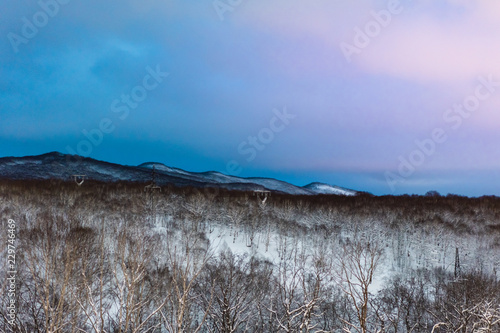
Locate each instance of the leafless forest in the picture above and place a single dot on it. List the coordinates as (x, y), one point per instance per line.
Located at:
(115, 258)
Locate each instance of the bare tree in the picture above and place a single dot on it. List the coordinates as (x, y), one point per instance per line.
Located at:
(487, 315)
(299, 288)
(237, 291)
(355, 268)
(402, 306)
(187, 252)
(235, 215)
(94, 293)
(50, 256)
(484, 318)
(131, 293)
(466, 304)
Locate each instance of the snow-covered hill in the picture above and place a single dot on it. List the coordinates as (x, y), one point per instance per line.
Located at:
(213, 177)
(60, 166)
(322, 188)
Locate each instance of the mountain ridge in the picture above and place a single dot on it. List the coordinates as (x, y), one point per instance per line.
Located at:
(56, 165)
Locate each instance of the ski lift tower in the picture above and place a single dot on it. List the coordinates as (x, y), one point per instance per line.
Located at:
(262, 195)
(79, 179)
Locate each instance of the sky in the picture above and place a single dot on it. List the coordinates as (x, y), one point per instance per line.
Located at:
(388, 97)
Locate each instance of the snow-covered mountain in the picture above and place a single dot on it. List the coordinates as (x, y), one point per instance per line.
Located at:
(322, 188)
(60, 166)
(213, 177)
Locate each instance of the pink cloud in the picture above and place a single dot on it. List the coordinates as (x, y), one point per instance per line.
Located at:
(424, 47)
(425, 42)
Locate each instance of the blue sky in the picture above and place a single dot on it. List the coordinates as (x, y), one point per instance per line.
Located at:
(389, 97)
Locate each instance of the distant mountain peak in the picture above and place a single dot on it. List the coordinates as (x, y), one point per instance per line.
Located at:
(54, 153)
(149, 165)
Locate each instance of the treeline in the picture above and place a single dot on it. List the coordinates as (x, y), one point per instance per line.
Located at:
(115, 258)
(456, 213)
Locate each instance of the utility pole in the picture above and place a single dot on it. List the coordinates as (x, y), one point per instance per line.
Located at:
(458, 272)
(79, 179)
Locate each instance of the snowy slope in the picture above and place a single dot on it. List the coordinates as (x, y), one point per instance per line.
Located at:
(213, 177)
(269, 183)
(321, 188)
(60, 166)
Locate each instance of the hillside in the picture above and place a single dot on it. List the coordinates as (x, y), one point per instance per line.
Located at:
(61, 167)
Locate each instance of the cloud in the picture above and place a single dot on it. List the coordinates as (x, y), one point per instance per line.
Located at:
(441, 41)
(227, 76)
(424, 46)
